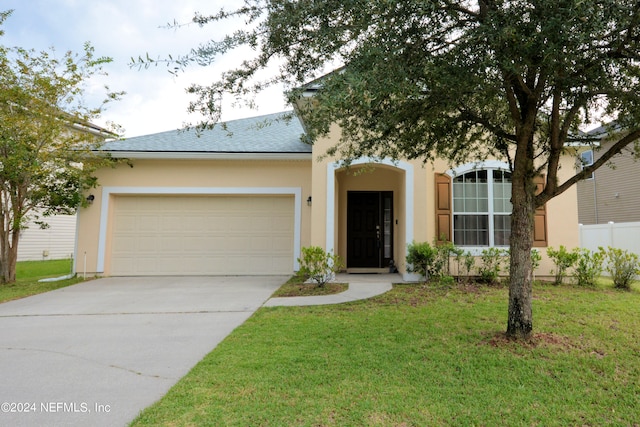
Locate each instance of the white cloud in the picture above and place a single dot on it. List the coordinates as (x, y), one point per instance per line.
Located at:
(156, 100)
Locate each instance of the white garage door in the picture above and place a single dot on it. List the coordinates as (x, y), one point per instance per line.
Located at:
(208, 235)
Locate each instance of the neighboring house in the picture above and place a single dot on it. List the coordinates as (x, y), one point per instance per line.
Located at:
(246, 199)
(57, 241)
(612, 193)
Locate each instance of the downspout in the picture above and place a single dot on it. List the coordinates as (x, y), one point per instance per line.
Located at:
(595, 197)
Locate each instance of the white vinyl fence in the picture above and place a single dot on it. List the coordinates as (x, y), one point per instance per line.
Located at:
(623, 235)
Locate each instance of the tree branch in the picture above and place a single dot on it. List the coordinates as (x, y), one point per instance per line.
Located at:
(545, 196)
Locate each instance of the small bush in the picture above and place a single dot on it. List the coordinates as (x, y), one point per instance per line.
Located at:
(490, 264)
(535, 259)
(623, 266)
(465, 262)
(421, 259)
(563, 260)
(319, 266)
(589, 267)
(430, 261)
(444, 251)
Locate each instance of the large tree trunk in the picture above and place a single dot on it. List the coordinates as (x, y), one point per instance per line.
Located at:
(520, 322)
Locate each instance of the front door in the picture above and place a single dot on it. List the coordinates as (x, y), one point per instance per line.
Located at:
(369, 229)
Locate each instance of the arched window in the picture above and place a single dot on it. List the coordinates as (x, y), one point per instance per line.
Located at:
(482, 207)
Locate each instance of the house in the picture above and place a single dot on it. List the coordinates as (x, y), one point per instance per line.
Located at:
(612, 193)
(56, 241)
(245, 199)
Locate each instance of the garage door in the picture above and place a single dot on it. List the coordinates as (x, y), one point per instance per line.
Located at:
(208, 235)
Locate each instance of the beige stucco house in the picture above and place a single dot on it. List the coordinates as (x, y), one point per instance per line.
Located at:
(245, 199)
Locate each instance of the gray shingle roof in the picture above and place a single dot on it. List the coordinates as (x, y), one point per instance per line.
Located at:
(262, 134)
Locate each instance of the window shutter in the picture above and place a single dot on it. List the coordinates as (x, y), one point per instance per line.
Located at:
(540, 217)
(443, 207)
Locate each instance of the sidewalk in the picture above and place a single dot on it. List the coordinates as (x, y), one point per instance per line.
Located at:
(361, 286)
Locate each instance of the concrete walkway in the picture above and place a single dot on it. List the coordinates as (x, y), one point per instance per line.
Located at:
(361, 286)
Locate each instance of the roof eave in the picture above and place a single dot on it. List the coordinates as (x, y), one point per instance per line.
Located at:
(177, 155)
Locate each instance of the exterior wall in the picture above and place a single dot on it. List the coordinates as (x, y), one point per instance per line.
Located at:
(613, 194)
(147, 175)
(55, 242)
(562, 211)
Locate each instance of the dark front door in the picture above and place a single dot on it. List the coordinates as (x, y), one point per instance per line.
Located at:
(369, 229)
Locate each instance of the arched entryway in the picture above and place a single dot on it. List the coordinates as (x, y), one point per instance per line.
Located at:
(373, 214)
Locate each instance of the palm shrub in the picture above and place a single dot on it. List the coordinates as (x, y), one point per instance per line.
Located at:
(319, 266)
(589, 266)
(623, 266)
(563, 260)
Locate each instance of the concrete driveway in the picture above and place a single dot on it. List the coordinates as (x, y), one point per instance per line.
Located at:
(99, 352)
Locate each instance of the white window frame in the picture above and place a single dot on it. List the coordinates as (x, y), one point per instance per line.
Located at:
(584, 164)
(489, 166)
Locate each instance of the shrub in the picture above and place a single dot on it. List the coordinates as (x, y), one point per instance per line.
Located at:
(588, 267)
(430, 261)
(465, 262)
(421, 259)
(490, 262)
(319, 266)
(441, 267)
(535, 261)
(623, 266)
(563, 260)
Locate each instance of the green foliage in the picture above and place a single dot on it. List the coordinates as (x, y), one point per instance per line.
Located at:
(623, 266)
(465, 262)
(319, 266)
(589, 267)
(430, 261)
(535, 259)
(563, 260)
(491, 261)
(421, 259)
(46, 162)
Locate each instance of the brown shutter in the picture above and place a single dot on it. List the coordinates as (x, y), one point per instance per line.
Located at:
(443, 207)
(540, 217)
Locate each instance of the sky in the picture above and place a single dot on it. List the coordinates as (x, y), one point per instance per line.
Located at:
(156, 100)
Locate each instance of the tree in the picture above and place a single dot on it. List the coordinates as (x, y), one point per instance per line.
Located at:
(46, 138)
(459, 80)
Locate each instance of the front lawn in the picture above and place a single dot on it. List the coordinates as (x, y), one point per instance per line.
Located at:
(29, 272)
(417, 356)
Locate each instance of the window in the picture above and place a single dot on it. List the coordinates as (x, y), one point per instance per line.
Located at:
(586, 159)
(482, 208)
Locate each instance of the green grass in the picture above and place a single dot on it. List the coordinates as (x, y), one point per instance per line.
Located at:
(418, 356)
(29, 272)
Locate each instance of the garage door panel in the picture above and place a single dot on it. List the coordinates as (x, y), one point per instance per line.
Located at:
(158, 235)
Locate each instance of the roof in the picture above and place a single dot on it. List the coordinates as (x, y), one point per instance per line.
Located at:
(270, 134)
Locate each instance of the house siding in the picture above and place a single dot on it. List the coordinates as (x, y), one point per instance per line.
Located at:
(613, 195)
(55, 242)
